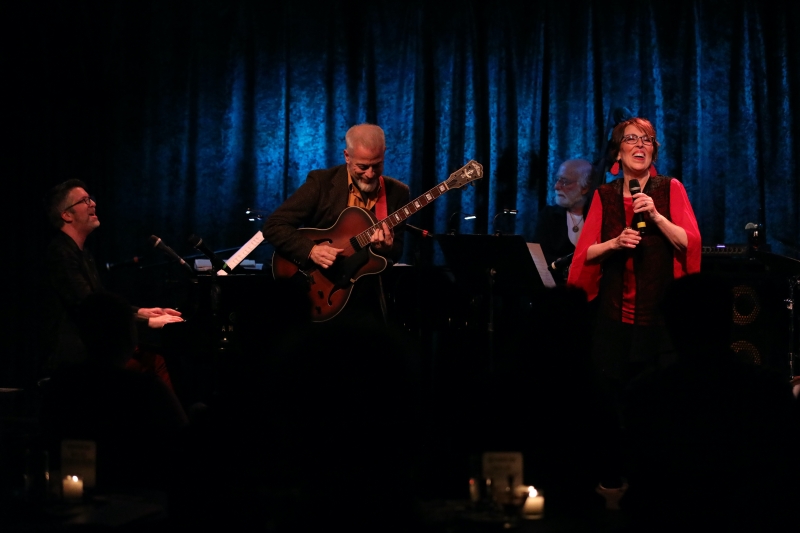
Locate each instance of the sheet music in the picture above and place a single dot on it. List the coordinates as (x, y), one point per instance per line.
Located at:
(541, 264)
(243, 252)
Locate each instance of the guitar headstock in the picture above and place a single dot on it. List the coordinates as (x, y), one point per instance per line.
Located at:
(468, 173)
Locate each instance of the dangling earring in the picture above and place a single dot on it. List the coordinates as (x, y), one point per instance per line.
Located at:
(615, 168)
(653, 172)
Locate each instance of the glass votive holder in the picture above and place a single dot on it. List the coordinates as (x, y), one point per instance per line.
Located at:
(533, 508)
(72, 488)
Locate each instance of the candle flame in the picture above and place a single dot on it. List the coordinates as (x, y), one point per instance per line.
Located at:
(74, 479)
(532, 492)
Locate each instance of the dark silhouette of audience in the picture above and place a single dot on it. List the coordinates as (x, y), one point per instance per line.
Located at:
(541, 399)
(562, 437)
(133, 418)
(313, 427)
(316, 429)
(711, 439)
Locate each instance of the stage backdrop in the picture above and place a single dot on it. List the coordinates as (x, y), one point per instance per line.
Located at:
(180, 115)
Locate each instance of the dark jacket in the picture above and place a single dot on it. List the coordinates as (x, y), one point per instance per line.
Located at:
(318, 204)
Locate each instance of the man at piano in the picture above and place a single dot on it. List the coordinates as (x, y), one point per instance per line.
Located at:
(319, 202)
(559, 226)
(72, 276)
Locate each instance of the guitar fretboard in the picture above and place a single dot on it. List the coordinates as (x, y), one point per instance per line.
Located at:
(471, 171)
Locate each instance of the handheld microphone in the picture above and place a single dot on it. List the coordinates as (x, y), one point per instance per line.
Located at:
(638, 218)
(217, 263)
(158, 243)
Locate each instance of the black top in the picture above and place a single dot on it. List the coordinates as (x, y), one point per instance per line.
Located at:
(72, 276)
(71, 271)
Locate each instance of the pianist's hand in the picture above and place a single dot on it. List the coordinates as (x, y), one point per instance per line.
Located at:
(157, 316)
(157, 322)
(149, 312)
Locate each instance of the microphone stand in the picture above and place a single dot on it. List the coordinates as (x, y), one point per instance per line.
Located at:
(793, 282)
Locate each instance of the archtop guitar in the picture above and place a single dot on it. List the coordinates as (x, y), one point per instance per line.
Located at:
(329, 289)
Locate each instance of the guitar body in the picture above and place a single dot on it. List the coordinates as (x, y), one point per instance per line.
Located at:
(329, 288)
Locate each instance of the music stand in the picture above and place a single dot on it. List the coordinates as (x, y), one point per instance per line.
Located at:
(491, 264)
(505, 257)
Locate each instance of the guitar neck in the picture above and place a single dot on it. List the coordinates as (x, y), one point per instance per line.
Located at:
(243, 252)
(403, 213)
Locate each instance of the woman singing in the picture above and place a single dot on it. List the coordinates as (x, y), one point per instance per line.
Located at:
(632, 246)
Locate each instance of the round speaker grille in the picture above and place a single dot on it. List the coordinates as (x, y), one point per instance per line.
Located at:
(747, 351)
(746, 305)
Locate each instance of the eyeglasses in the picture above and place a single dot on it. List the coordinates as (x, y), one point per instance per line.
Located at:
(632, 138)
(89, 200)
(564, 182)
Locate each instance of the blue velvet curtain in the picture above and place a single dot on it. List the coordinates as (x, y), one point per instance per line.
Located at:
(181, 114)
(187, 113)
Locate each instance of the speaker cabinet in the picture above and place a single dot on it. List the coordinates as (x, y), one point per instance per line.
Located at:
(761, 322)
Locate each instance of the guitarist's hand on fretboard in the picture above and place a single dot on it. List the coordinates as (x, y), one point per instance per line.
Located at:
(382, 240)
(324, 255)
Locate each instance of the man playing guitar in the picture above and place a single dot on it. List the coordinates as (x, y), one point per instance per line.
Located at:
(319, 203)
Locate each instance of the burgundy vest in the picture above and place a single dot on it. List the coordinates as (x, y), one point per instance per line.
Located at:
(652, 258)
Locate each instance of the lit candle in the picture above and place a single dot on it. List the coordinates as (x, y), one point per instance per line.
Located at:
(72, 488)
(474, 490)
(533, 509)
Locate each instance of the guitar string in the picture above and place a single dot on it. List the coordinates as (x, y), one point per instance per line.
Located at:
(467, 170)
(388, 220)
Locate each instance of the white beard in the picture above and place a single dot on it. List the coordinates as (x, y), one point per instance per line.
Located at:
(366, 187)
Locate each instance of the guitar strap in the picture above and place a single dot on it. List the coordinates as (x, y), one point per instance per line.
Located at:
(381, 211)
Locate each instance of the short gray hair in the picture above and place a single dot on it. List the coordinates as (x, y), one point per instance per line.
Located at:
(366, 135)
(582, 168)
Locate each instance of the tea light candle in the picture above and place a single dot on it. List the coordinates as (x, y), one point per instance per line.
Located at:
(474, 490)
(72, 488)
(533, 509)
